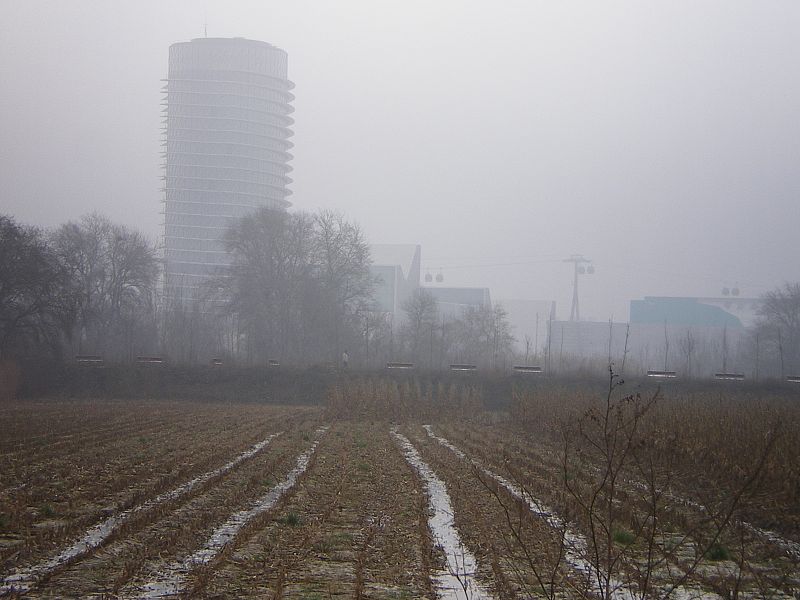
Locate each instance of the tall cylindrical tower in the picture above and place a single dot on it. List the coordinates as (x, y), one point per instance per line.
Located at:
(227, 128)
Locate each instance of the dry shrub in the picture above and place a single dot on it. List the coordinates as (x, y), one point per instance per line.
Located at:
(399, 400)
(628, 459)
(721, 435)
(545, 410)
(711, 439)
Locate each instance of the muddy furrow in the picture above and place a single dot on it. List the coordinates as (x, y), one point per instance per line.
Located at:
(95, 439)
(125, 441)
(39, 424)
(268, 556)
(765, 555)
(576, 545)
(351, 529)
(170, 528)
(170, 579)
(89, 452)
(22, 581)
(576, 548)
(459, 578)
(24, 444)
(89, 492)
(533, 455)
(521, 553)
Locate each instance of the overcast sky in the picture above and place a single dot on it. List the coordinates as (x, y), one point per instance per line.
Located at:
(660, 139)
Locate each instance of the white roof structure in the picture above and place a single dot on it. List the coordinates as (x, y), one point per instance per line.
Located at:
(397, 267)
(406, 256)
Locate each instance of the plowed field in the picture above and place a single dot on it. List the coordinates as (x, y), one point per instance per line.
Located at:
(160, 499)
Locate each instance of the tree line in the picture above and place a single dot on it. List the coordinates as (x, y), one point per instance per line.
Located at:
(298, 290)
(479, 335)
(87, 286)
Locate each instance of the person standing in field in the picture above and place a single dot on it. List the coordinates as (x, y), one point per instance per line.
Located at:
(345, 359)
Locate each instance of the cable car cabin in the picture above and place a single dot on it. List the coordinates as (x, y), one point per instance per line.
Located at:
(89, 360)
(399, 365)
(526, 370)
(656, 374)
(462, 367)
(729, 376)
(149, 360)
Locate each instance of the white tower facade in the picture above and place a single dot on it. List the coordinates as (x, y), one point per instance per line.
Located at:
(227, 126)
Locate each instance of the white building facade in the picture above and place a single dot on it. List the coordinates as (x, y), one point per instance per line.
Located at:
(227, 126)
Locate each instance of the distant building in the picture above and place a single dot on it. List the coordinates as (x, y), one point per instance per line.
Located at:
(696, 312)
(744, 309)
(397, 268)
(453, 300)
(227, 124)
(694, 336)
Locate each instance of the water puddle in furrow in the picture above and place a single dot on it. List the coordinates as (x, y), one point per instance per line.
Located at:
(22, 581)
(575, 544)
(458, 580)
(791, 547)
(172, 579)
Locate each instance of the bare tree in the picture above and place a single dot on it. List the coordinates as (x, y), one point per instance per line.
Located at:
(483, 334)
(270, 282)
(422, 316)
(779, 326)
(196, 330)
(34, 304)
(299, 284)
(377, 335)
(112, 271)
(342, 259)
(687, 345)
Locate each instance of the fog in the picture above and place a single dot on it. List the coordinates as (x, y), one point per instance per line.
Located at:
(659, 139)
